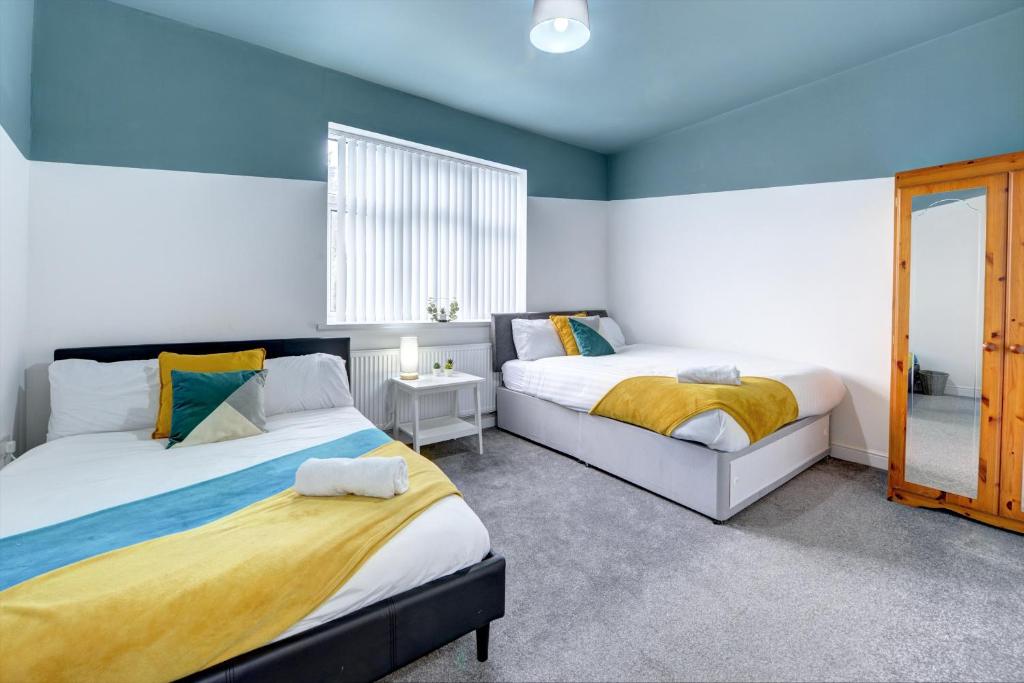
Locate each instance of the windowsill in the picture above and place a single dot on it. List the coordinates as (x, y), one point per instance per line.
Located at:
(412, 325)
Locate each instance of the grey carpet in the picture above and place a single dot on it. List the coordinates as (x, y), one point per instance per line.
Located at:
(942, 443)
(821, 580)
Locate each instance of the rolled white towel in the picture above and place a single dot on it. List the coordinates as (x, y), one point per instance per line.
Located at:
(709, 374)
(376, 477)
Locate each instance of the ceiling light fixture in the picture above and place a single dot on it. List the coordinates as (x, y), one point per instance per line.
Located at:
(560, 25)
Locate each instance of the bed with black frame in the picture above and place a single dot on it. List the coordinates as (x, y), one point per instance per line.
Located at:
(373, 641)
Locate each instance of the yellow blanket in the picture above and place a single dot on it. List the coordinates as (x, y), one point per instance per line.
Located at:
(238, 583)
(759, 405)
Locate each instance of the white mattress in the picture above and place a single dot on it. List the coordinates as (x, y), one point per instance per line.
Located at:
(76, 475)
(579, 382)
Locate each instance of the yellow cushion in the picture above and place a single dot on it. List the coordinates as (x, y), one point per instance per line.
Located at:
(211, 362)
(561, 323)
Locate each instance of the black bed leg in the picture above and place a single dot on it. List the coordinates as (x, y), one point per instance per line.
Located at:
(483, 635)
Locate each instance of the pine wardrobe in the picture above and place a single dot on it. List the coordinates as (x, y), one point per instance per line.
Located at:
(956, 428)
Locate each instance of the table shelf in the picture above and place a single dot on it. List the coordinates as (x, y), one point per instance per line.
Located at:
(438, 429)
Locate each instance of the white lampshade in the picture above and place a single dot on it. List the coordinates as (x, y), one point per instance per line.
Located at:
(409, 358)
(560, 25)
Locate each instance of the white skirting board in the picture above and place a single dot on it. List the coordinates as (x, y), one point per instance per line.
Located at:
(713, 483)
(860, 456)
(371, 370)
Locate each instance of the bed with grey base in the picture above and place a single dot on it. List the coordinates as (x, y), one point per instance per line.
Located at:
(713, 483)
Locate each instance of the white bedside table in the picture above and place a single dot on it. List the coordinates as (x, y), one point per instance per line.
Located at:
(436, 429)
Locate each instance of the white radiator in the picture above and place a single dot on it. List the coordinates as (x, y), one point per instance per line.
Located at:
(372, 369)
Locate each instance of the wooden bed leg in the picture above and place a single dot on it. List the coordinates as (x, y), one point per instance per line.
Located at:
(483, 635)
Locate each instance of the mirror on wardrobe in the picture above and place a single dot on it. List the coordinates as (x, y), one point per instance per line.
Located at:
(947, 313)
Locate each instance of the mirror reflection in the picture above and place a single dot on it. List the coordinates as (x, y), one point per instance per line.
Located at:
(947, 311)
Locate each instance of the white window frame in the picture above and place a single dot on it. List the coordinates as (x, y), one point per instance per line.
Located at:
(335, 130)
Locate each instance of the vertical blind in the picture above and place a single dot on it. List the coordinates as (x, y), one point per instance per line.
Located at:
(407, 225)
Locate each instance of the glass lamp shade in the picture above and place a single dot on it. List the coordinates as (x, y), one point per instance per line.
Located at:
(409, 358)
(560, 25)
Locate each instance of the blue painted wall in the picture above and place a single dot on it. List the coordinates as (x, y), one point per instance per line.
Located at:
(16, 71)
(957, 97)
(115, 86)
(118, 87)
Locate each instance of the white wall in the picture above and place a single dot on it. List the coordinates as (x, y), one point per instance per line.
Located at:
(567, 248)
(14, 222)
(121, 255)
(947, 292)
(124, 256)
(801, 272)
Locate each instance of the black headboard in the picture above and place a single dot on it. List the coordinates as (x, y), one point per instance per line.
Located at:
(503, 348)
(337, 346)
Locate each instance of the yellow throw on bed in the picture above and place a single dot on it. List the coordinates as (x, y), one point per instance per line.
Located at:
(759, 405)
(239, 582)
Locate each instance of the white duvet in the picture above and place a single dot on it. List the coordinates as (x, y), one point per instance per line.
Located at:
(80, 474)
(579, 382)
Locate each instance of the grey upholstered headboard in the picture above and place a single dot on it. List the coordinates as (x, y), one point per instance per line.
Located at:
(503, 348)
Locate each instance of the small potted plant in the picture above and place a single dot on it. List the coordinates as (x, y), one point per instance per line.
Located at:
(437, 312)
(449, 367)
(437, 369)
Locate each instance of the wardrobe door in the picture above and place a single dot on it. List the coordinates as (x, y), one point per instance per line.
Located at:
(949, 317)
(1012, 481)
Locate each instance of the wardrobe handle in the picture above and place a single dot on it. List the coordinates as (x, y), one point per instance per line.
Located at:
(1016, 348)
(988, 347)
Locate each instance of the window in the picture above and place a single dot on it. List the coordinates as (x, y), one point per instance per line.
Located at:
(408, 223)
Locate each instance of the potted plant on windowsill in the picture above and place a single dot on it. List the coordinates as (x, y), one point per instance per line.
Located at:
(449, 367)
(437, 369)
(439, 313)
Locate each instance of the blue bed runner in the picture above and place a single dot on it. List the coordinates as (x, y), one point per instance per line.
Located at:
(29, 554)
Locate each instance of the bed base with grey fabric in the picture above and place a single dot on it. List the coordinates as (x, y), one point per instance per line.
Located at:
(714, 483)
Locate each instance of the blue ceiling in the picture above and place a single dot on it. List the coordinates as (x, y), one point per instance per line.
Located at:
(651, 65)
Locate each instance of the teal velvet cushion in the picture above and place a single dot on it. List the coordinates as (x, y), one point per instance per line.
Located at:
(216, 406)
(591, 343)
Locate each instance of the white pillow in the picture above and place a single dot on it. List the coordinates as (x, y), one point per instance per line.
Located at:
(312, 382)
(535, 339)
(87, 396)
(610, 330)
